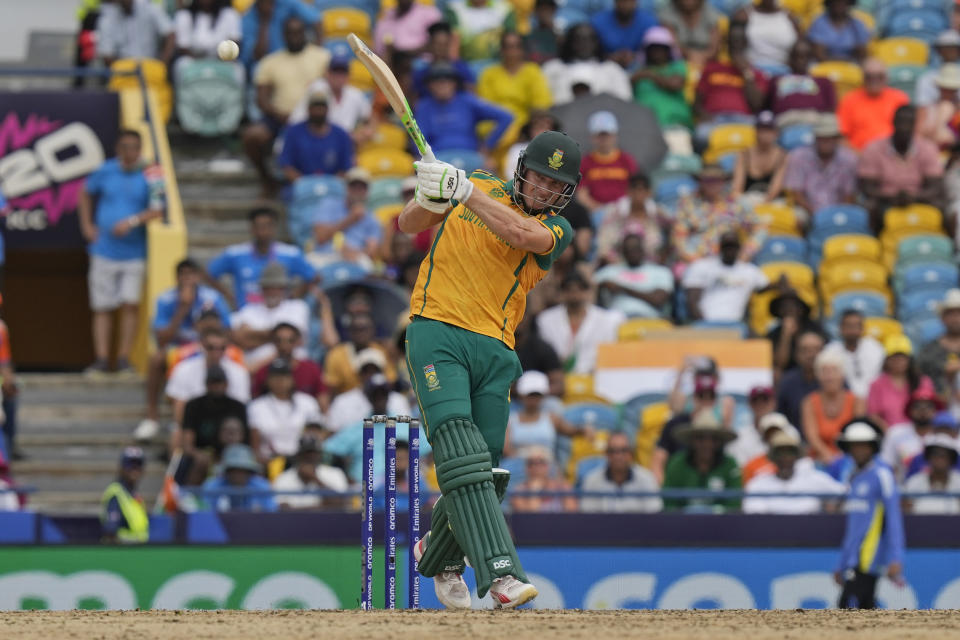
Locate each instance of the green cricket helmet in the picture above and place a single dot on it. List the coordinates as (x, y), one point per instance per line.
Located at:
(554, 155)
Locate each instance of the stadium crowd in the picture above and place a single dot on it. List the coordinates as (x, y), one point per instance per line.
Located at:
(805, 191)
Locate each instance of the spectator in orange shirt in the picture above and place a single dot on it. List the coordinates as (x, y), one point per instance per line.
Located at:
(866, 114)
(902, 169)
(768, 426)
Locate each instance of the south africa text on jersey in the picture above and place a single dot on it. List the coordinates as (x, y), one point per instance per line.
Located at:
(469, 216)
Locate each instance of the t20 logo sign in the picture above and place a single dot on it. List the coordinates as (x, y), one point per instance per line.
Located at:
(47, 148)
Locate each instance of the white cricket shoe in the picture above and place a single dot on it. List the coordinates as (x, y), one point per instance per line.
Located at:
(508, 592)
(449, 586)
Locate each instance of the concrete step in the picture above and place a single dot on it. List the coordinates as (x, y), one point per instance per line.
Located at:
(49, 415)
(34, 439)
(78, 381)
(208, 233)
(47, 482)
(80, 467)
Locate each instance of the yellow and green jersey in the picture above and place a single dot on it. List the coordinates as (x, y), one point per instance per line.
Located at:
(474, 279)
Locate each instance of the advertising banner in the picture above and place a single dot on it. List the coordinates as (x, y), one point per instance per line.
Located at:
(329, 577)
(49, 142)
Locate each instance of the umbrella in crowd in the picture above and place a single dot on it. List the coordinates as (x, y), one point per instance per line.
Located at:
(640, 135)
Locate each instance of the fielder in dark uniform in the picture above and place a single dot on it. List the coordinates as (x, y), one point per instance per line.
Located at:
(496, 241)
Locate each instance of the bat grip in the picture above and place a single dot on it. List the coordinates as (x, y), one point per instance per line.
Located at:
(427, 153)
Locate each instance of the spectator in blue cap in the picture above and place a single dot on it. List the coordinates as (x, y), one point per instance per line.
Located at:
(239, 470)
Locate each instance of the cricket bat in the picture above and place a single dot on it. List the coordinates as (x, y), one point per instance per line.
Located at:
(387, 82)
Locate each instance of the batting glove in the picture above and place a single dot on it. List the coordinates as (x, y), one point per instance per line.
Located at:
(433, 206)
(443, 181)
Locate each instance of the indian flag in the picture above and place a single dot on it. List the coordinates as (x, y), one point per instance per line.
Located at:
(628, 369)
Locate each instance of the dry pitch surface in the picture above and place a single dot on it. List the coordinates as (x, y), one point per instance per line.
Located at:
(514, 625)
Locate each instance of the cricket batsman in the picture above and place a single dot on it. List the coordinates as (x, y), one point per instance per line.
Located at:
(496, 241)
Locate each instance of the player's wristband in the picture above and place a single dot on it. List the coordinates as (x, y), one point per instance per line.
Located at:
(134, 221)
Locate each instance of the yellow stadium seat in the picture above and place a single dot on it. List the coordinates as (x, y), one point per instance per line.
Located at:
(799, 274)
(390, 4)
(386, 214)
(387, 136)
(879, 327)
(853, 275)
(849, 246)
(729, 138)
(652, 419)
(898, 51)
(799, 8)
(846, 76)
(582, 447)
(918, 216)
(154, 76)
(383, 163)
(637, 328)
(342, 21)
(360, 77)
(578, 387)
(780, 219)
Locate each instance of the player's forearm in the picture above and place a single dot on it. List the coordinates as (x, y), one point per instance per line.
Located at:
(414, 218)
(520, 231)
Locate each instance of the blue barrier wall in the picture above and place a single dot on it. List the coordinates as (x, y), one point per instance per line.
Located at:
(671, 578)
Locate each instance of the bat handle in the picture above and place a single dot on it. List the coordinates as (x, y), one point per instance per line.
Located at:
(427, 153)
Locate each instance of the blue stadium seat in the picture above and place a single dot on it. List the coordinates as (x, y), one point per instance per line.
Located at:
(465, 159)
(717, 324)
(923, 331)
(919, 24)
(796, 135)
(773, 69)
(925, 249)
(385, 191)
(728, 161)
(371, 7)
(307, 195)
(842, 218)
(904, 77)
(782, 249)
(633, 409)
(918, 305)
(935, 276)
(835, 220)
(893, 7)
(339, 273)
(728, 7)
(669, 190)
(604, 416)
(587, 465)
(869, 303)
(338, 48)
(568, 17)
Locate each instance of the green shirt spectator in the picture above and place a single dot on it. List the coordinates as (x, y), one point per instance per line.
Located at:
(702, 464)
(659, 85)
